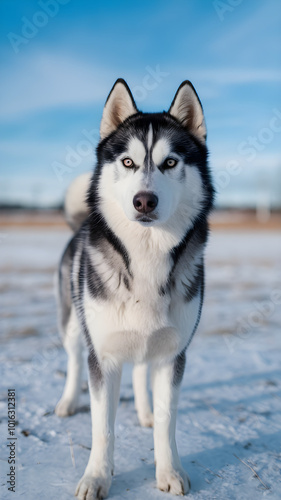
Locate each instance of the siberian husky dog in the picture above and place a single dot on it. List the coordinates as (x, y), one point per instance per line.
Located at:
(131, 280)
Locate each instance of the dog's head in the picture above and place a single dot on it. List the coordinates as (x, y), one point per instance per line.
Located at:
(153, 165)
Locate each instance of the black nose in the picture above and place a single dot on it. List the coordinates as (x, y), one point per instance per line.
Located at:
(145, 202)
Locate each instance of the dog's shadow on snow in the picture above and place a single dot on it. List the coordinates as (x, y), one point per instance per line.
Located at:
(86, 408)
(203, 468)
(209, 465)
(134, 480)
(212, 464)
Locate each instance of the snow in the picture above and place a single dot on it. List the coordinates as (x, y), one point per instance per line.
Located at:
(230, 404)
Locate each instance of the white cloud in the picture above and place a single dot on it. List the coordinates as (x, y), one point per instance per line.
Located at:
(234, 76)
(269, 162)
(47, 80)
(261, 19)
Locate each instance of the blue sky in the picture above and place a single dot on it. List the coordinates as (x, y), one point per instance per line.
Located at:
(56, 77)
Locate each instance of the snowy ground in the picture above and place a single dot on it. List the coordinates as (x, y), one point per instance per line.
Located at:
(229, 421)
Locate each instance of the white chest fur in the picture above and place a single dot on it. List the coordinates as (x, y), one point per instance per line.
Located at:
(138, 323)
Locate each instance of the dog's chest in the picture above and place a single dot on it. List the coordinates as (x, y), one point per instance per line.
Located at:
(136, 298)
(145, 301)
(134, 322)
(135, 319)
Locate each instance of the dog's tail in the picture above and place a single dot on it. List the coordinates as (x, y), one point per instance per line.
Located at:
(75, 206)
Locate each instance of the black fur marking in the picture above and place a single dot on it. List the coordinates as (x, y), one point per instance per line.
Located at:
(64, 285)
(81, 276)
(148, 166)
(126, 282)
(179, 366)
(94, 282)
(148, 162)
(178, 250)
(198, 233)
(96, 376)
(202, 290)
(192, 289)
(180, 360)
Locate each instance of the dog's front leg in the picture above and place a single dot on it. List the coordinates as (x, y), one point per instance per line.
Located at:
(166, 380)
(104, 386)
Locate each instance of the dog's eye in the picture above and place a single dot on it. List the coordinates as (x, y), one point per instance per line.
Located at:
(128, 163)
(170, 163)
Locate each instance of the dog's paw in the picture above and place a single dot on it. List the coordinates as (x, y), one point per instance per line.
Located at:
(174, 481)
(93, 488)
(146, 419)
(65, 408)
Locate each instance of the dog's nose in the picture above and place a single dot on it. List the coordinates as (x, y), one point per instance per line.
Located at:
(145, 202)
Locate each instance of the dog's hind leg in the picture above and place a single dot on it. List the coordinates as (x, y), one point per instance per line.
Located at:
(142, 404)
(73, 345)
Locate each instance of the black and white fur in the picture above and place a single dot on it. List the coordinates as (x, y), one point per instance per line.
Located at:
(131, 280)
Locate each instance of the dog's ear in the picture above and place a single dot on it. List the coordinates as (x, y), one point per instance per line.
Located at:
(120, 105)
(187, 109)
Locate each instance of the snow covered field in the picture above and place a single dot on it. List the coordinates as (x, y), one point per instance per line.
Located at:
(229, 419)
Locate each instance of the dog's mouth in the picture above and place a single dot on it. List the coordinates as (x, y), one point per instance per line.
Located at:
(145, 219)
